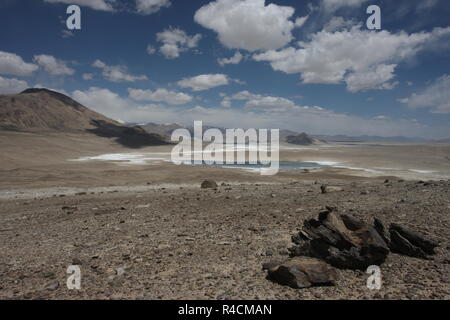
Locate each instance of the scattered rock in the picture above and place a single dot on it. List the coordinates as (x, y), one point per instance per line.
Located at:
(209, 184)
(143, 206)
(120, 271)
(52, 286)
(340, 240)
(70, 208)
(302, 272)
(328, 189)
(48, 274)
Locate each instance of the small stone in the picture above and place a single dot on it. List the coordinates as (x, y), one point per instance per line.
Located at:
(209, 184)
(328, 189)
(52, 286)
(120, 271)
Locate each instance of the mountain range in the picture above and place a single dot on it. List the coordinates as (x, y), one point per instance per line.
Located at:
(43, 110)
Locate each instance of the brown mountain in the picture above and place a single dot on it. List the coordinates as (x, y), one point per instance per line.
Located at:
(43, 110)
(302, 139)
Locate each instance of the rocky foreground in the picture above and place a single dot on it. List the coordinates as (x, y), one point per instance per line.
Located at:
(195, 243)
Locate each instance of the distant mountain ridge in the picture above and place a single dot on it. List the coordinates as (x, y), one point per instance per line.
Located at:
(365, 138)
(288, 136)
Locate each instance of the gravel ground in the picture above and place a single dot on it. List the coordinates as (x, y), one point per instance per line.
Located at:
(188, 243)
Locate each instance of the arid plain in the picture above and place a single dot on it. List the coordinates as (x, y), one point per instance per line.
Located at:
(147, 230)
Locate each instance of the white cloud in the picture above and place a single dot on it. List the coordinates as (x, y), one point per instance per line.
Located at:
(204, 82)
(103, 101)
(300, 21)
(377, 77)
(12, 85)
(151, 6)
(351, 55)
(248, 24)
(339, 23)
(103, 5)
(143, 7)
(176, 41)
(436, 97)
(151, 49)
(52, 65)
(226, 102)
(88, 76)
(160, 95)
(268, 102)
(117, 73)
(235, 59)
(13, 64)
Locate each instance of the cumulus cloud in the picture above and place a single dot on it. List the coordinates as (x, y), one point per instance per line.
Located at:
(204, 82)
(377, 77)
(436, 97)
(258, 101)
(12, 85)
(175, 41)
(102, 5)
(12, 64)
(52, 65)
(160, 95)
(352, 55)
(103, 101)
(117, 73)
(151, 6)
(312, 119)
(248, 24)
(235, 59)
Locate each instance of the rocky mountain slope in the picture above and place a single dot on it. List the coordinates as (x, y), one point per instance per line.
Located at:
(43, 110)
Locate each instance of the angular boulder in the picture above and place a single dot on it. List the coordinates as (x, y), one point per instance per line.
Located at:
(410, 243)
(302, 272)
(340, 240)
(382, 231)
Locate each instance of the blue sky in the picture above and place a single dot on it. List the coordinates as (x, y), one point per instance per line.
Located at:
(302, 65)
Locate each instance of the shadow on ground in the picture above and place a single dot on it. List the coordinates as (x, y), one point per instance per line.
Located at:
(130, 137)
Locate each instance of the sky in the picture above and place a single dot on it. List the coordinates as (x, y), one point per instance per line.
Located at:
(311, 66)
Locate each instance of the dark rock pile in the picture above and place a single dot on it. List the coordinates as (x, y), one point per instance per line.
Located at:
(340, 240)
(337, 240)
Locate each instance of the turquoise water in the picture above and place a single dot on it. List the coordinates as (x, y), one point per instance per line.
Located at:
(284, 166)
